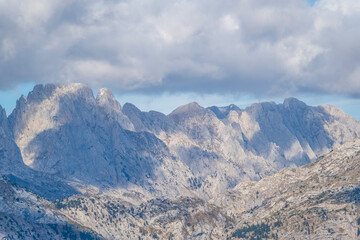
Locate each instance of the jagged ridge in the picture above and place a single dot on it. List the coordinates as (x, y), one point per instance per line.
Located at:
(65, 131)
(61, 140)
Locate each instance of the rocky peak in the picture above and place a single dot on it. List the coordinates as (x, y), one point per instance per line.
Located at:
(105, 98)
(4, 127)
(233, 107)
(336, 112)
(41, 92)
(223, 112)
(190, 107)
(76, 90)
(70, 128)
(109, 106)
(51, 91)
(9, 153)
(130, 108)
(154, 122)
(264, 106)
(293, 103)
(187, 111)
(3, 123)
(135, 116)
(2, 114)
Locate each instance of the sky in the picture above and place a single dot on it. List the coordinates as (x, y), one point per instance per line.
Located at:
(161, 54)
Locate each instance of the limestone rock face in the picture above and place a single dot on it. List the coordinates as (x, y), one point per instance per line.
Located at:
(111, 108)
(152, 121)
(10, 156)
(24, 215)
(65, 131)
(258, 141)
(90, 142)
(198, 173)
(317, 201)
(12, 165)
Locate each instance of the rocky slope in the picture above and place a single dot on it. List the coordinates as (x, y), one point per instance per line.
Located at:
(65, 131)
(9, 152)
(317, 201)
(47, 185)
(224, 146)
(320, 200)
(124, 173)
(24, 215)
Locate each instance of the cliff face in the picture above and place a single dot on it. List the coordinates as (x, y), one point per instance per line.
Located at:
(64, 130)
(68, 133)
(317, 201)
(10, 156)
(124, 173)
(25, 215)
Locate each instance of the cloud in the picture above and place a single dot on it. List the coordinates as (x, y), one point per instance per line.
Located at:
(259, 47)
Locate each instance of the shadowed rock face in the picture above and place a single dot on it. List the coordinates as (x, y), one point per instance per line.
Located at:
(223, 112)
(10, 155)
(11, 164)
(65, 131)
(265, 137)
(73, 135)
(317, 201)
(24, 215)
(60, 140)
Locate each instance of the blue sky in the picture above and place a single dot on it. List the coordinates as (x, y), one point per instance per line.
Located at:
(9, 97)
(160, 54)
(312, 2)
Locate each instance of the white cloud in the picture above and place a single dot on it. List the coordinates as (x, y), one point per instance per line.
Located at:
(94, 71)
(257, 46)
(8, 49)
(230, 23)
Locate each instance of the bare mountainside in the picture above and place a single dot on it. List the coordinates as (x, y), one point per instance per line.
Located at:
(24, 215)
(320, 200)
(93, 144)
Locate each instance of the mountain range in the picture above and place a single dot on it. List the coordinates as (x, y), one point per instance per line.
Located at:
(78, 166)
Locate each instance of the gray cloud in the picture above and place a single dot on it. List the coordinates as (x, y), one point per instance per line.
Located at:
(254, 46)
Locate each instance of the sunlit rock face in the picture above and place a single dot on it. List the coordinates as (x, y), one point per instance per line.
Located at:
(318, 201)
(263, 138)
(122, 173)
(66, 131)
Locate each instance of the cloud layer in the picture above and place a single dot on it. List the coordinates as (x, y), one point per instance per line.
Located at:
(254, 46)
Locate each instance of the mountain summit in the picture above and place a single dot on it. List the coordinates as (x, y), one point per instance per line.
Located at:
(60, 141)
(65, 131)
